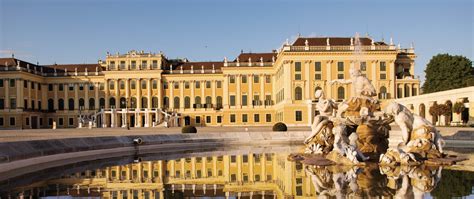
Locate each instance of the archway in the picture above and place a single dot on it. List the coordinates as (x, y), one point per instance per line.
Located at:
(422, 110)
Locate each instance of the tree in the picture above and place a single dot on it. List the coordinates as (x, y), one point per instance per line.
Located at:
(445, 72)
(458, 107)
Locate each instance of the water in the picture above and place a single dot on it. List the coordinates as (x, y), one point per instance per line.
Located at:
(251, 172)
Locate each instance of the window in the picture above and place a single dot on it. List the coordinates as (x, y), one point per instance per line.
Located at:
(166, 102)
(176, 102)
(143, 84)
(144, 65)
(176, 85)
(111, 85)
(232, 100)
(155, 64)
(383, 93)
(299, 116)
(39, 86)
(197, 101)
(317, 76)
(256, 79)
(219, 119)
(317, 66)
(268, 117)
(208, 102)
(71, 104)
(187, 102)
(208, 119)
(1, 121)
(101, 86)
(232, 118)
(71, 87)
(112, 65)
(61, 87)
(208, 84)
(298, 93)
(71, 121)
(154, 84)
(268, 79)
(244, 100)
(244, 79)
(340, 66)
(340, 93)
(256, 117)
(198, 84)
(219, 102)
(186, 85)
(1, 82)
(340, 76)
(25, 83)
(165, 85)
(2, 103)
(61, 121)
(91, 103)
(133, 84)
(383, 76)
(27, 122)
(61, 104)
(297, 66)
(12, 103)
(198, 119)
(12, 83)
(218, 84)
(12, 121)
(133, 65)
(122, 85)
(91, 87)
(244, 118)
(232, 79)
(363, 66)
(383, 66)
(154, 102)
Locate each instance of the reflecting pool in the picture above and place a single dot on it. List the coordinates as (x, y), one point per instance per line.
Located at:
(262, 172)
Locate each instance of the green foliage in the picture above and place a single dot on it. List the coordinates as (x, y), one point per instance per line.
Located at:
(445, 72)
(458, 107)
(189, 129)
(440, 109)
(454, 184)
(280, 126)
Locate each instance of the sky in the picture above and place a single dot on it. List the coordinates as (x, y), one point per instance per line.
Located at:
(82, 31)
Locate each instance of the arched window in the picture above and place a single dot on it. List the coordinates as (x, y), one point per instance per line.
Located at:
(176, 102)
(123, 102)
(154, 102)
(341, 93)
(144, 102)
(112, 102)
(197, 100)
(208, 101)
(71, 104)
(154, 84)
(61, 104)
(407, 91)
(133, 102)
(422, 110)
(298, 93)
(111, 85)
(81, 104)
(50, 105)
(166, 102)
(187, 102)
(133, 84)
(219, 102)
(91, 104)
(383, 93)
(102, 103)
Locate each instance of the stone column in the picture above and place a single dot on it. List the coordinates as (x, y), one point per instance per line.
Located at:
(29, 94)
(160, 94)
(148, 86)
(225, 94)
(262, 88)
(203, 96)
(213, 86)
(250, 95)
(181, 95)
(19, 94)
(329, 89)
(171, 87)
(86, 96)
(76, 96)
(138, 118)
(7, 93)
(193, 101)
(97, 100)
(55, 90)
(391, 76)
(106, 91)
(117, 94)
(127, 92)
(238, 96)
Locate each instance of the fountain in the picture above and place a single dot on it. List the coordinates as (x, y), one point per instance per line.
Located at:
(356, 130)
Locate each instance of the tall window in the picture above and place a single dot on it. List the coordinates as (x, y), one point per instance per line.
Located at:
(208, 101)
(133, 65)
(317, 71)
(176, 85)
(154, 84)
(187, 102)
(50, 105)
(176, 102)
(133, 102)
(198, 84)
(143, 84)
(299, 116)
(166, 102)
(256, 79)
(122, 65)
(297, 70)
(232, 100)
(133, 84)
(383, 93)
(340, 70)
(154, 102)
(298, 93)
(144, 102)
(122, 85)
(244, 100)
(219, 102)
(208, 84)
(244, 79)
(111, 85)
(383, 66)
(340, 93)
(268, 79)
(363, 66)
(81, 103)
(91, 104)
(218, 84)
(197, 101)
(232, 79)
(71, 104)
(112, 102)
(101, 102)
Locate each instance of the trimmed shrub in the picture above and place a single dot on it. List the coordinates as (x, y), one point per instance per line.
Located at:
(189, 129)
(280, 126)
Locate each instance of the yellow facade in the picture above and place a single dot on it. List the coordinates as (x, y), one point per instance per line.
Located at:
(139, 89)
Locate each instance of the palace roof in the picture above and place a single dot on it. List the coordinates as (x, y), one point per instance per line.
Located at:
(333, 41)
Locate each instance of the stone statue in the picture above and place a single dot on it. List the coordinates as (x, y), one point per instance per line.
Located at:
(403, 118)
(321, 126)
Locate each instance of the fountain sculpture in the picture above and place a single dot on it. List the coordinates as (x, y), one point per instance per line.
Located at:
(357, 130)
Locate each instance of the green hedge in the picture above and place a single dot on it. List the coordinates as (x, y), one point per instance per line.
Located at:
(280, 126)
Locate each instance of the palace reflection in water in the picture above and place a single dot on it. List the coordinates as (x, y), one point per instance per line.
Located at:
(242, 176)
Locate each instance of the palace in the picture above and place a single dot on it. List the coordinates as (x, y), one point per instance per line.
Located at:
(141, 89)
